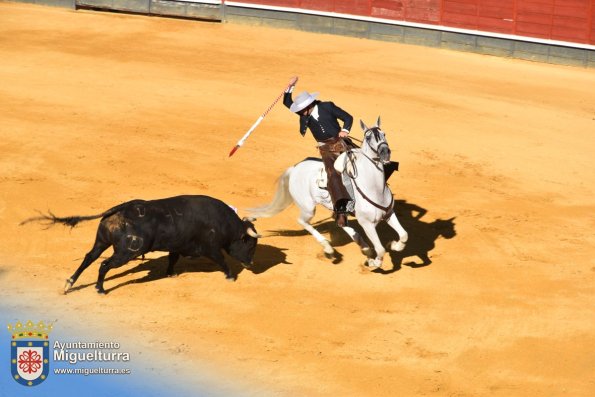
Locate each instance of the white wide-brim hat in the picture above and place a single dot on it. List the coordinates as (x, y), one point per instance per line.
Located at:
(302, 101)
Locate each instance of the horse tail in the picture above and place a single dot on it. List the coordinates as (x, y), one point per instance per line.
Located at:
(281, 200)
(51, 219)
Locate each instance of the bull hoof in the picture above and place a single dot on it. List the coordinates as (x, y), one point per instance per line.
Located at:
(172, 275)
(367, 252)
(231, 279)
(68, 285)
(100, 291)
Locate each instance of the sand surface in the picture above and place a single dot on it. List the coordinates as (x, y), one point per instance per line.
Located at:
(97, 109)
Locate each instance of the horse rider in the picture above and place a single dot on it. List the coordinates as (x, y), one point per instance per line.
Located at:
(322, 118)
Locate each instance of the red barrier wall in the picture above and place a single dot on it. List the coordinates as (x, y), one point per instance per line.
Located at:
(566, 20)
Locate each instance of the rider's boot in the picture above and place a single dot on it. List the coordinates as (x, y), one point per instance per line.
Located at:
(341, 213)
(341, 219)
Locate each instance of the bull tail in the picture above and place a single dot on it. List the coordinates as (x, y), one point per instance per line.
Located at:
(281, 200)
(50, 219)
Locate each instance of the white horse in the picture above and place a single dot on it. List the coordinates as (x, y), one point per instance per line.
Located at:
(373, 198)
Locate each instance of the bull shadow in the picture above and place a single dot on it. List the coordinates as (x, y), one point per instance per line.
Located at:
(265, 258)
(422, 235)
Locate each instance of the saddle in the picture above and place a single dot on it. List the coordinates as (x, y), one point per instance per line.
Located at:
(335, 144)
(340, 165)
(322, 179)
(322, 183)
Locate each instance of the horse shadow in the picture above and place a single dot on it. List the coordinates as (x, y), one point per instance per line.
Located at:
(422, 235)
(265, 258)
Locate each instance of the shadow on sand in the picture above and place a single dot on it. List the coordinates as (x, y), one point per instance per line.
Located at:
(265, 257)
(422, 235)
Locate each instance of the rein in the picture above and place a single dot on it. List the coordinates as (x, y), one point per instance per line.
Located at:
(388, 209)
(374, 160)
(351, 158)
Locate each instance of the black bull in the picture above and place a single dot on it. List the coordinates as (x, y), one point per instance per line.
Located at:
(183, 226)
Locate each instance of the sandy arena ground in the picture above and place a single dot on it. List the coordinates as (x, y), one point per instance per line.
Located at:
(97, 109)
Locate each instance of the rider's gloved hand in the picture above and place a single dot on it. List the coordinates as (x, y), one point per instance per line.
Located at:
(292, 84)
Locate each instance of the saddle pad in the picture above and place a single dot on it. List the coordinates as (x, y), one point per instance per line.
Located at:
(321, 179)
(341, 164)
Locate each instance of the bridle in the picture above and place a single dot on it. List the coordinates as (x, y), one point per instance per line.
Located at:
(376, 132)
(377, 163)
(374, 160)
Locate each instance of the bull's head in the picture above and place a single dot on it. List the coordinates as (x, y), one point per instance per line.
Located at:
(244, 248)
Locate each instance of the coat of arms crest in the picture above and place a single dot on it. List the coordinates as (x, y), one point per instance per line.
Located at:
(29, 352)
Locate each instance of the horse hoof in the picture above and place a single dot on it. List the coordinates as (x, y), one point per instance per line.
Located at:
(397, 246)
(364, 268)
(329, 255)
(68, 285)
(374, 263)
(367, 252)
(173, 275)
(231, 279)
(101, 292)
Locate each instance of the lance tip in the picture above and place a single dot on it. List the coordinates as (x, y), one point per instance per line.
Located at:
(236, 147)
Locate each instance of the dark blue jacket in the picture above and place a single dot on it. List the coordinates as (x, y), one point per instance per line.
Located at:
(327, 125)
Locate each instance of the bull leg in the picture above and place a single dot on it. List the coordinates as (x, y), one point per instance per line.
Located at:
(114, 261)
(91, 257)
(219, 259)
(172, 259)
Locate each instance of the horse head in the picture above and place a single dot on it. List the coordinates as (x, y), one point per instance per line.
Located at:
(375, 141)
(445, 227)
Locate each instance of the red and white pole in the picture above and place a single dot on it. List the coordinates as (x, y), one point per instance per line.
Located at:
(262, 116)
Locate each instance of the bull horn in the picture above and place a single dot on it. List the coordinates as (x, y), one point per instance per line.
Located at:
(251, 232)
(248, 219)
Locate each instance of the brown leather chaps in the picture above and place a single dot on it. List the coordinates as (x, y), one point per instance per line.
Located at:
(329, 152)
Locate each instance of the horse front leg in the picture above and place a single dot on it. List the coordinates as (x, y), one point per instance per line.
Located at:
(370, 230)
(403, 236)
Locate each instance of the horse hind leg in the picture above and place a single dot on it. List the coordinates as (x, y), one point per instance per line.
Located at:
(304, 219)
